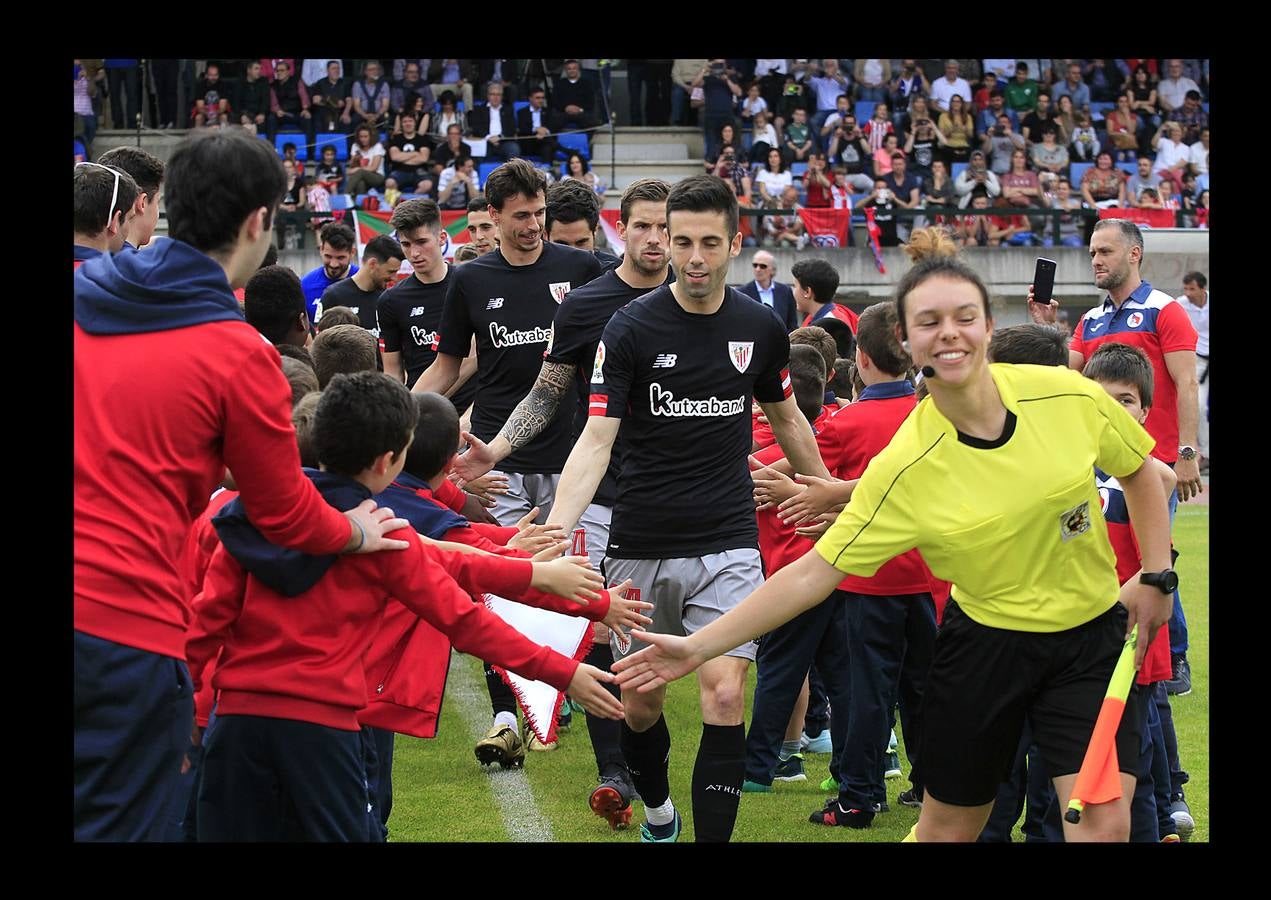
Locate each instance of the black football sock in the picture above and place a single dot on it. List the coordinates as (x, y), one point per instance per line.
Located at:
(605, 734)
(501, 697)
(647, 753)
(717, 777)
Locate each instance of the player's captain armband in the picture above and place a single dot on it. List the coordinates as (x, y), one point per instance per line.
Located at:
(598, 371)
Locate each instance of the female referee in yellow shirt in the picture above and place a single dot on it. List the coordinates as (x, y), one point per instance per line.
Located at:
(991, 478)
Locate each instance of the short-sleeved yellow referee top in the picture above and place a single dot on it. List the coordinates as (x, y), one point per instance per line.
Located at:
(1014, 524)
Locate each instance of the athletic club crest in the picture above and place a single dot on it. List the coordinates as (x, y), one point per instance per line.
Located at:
(1134, 319)
(558, 290)
(739, 353)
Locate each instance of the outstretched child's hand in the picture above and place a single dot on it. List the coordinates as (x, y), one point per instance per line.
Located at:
(624, 611)
(819, 497)
(486, 487)
(772, 487)
(587, 687)
(570, 576)
(551, 552)
(532, 538)
(812, 529)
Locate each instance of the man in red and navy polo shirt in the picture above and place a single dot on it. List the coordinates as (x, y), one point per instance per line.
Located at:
(1136, 314)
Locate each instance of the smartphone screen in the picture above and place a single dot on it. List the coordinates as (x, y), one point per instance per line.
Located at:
(1044, 280)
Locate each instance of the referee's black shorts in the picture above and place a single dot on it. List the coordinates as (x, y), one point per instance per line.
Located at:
(983, 681)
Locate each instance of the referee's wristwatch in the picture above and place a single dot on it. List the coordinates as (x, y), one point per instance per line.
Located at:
(1166, 582)
(1188, 453)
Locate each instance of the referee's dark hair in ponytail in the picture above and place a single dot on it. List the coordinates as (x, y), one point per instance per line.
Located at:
(932, 266)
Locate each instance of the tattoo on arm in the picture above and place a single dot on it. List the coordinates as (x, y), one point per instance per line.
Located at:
(533, 414)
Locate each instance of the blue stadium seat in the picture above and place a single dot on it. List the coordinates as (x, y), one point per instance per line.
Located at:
(484, 170)
(957, 169)
(1128, 167)
(409, 197)
(1097, 110)
(798, 169)
(568, 142)
(519, 105)
(337, 140)
(1205, 106)
(1076, 172)
(341, 201)
(864, 111)
(747, 141)
(292, 137)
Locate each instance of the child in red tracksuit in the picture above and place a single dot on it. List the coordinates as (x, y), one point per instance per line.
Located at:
(786, 654)
(407, 661)
(1126, 373)
(285, 761)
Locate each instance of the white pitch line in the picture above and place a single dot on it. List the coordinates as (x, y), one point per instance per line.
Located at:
(521, 815)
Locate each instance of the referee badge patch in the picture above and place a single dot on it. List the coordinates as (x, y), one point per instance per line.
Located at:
(1075, 521)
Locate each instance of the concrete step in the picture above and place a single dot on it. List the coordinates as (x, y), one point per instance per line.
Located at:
(691, 137)
(640, 152)
(647, 168)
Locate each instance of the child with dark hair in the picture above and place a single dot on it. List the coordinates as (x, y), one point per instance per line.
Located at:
(302, 378)
(294, 629)
(343, 349)
(406, 703)
(819, 339)
(291, 351)
(775, 664)
(337, 315)
(815, 282)
(1033, 344)
(274, 304)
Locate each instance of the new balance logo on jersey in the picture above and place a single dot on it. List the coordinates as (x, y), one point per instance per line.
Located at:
(665, 361)
(416, 311)
(663, 403)
(501, 337)
(495, 303)
(423, 338)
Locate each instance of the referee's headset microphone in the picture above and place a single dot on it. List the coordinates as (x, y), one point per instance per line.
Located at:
(927, 371)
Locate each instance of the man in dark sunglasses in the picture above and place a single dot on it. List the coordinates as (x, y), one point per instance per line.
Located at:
(771, 293)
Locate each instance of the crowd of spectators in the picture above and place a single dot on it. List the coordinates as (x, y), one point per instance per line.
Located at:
(1029, 133)
(414, 126)
(1032, 134)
